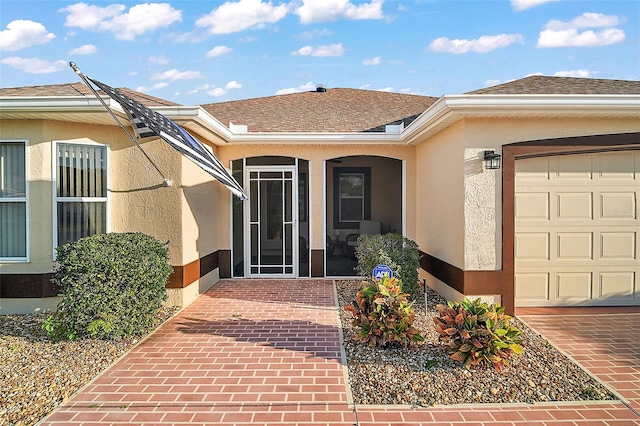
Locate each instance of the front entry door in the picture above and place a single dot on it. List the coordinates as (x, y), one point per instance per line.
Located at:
(270, 222)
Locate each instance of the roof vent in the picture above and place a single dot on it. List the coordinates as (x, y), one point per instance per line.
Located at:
(321, 88)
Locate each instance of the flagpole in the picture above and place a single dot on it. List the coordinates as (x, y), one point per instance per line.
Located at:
(75, 68)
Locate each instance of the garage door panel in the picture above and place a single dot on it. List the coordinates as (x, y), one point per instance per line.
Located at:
(574, 167)
(532, 206)
(532, 287)
(618, 245)
(617, 166)
(532, 246)
(577, 232)
(618, 205)
(573, 285)
(534, 169)
(574, 245)
(618, 285)
(575, 205)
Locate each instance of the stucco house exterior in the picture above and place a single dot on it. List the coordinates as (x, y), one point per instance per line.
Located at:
(555, 225)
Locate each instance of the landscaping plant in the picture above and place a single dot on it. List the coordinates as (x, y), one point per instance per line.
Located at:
(383, 314)
(477, 333)
(112, 286)
(396, 251)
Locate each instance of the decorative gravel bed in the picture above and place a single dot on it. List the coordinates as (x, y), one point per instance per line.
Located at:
(424, 375)
(37, 374)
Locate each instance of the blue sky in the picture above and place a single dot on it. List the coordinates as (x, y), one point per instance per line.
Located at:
(195, 52)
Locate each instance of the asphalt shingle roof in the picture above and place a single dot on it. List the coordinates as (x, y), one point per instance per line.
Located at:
(336, 110)
(341, 110)
(544, 85)
(77, 89)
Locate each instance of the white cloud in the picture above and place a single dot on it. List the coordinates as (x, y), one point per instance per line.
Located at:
(483, 44)
(586, 20)
(520, 5)
(568, 34)
(23, 33)
(214, 90)
(323, 50)
(160, 60)
(303, 88)
(140, 19)
(218, 51)
(233, 17)
(571, 38)
(221, 91)
(85, 49)
(386, 89)
(174, 74)
(575, 73)
(146, 89)
(329, 10)
(233, 85)
(34, 65)
(371, 62)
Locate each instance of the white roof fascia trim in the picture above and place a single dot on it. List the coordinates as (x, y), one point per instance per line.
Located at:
(451, 108)
(60, 104)
(372, 138)
(207, 122)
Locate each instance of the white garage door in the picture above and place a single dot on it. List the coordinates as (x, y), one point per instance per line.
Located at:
(577, 232)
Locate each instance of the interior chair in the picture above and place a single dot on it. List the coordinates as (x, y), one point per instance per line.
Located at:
(366, 227)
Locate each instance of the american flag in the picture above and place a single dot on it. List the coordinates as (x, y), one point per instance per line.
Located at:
(147, 123)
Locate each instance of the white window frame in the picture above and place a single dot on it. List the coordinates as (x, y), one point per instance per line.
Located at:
(361, 197)
(54, 179)
(24, 199)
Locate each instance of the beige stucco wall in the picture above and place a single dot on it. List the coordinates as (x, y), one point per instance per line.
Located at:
(316, 155)
(440, 195)
(138, 200)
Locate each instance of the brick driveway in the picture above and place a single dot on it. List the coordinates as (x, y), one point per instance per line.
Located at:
(268, 352)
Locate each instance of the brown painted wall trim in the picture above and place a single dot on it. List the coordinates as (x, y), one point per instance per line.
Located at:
(466, 282)
(317, 263)
(14, 286)
(224, 263)
(445, 272)
(184, 276)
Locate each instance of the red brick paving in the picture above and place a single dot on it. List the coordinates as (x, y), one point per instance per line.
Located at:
(268, 352)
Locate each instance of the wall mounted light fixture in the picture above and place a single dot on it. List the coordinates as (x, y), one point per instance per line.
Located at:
(492, 160)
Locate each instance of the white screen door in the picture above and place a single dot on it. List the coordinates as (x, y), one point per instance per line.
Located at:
(270, 221)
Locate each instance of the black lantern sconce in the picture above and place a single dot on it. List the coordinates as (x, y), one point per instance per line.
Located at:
(492, 160)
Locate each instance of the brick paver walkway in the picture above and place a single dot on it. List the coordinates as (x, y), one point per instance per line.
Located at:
(267, 352)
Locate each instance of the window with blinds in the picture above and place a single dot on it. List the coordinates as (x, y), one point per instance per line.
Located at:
(81, 191)
(13, 201)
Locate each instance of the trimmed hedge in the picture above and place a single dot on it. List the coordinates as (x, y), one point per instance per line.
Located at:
(396, 251)
(112, 286)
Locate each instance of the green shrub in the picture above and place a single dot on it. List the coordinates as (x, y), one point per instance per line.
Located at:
(383, 314)
(477, 333)
(112, 286)
(399, 253)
